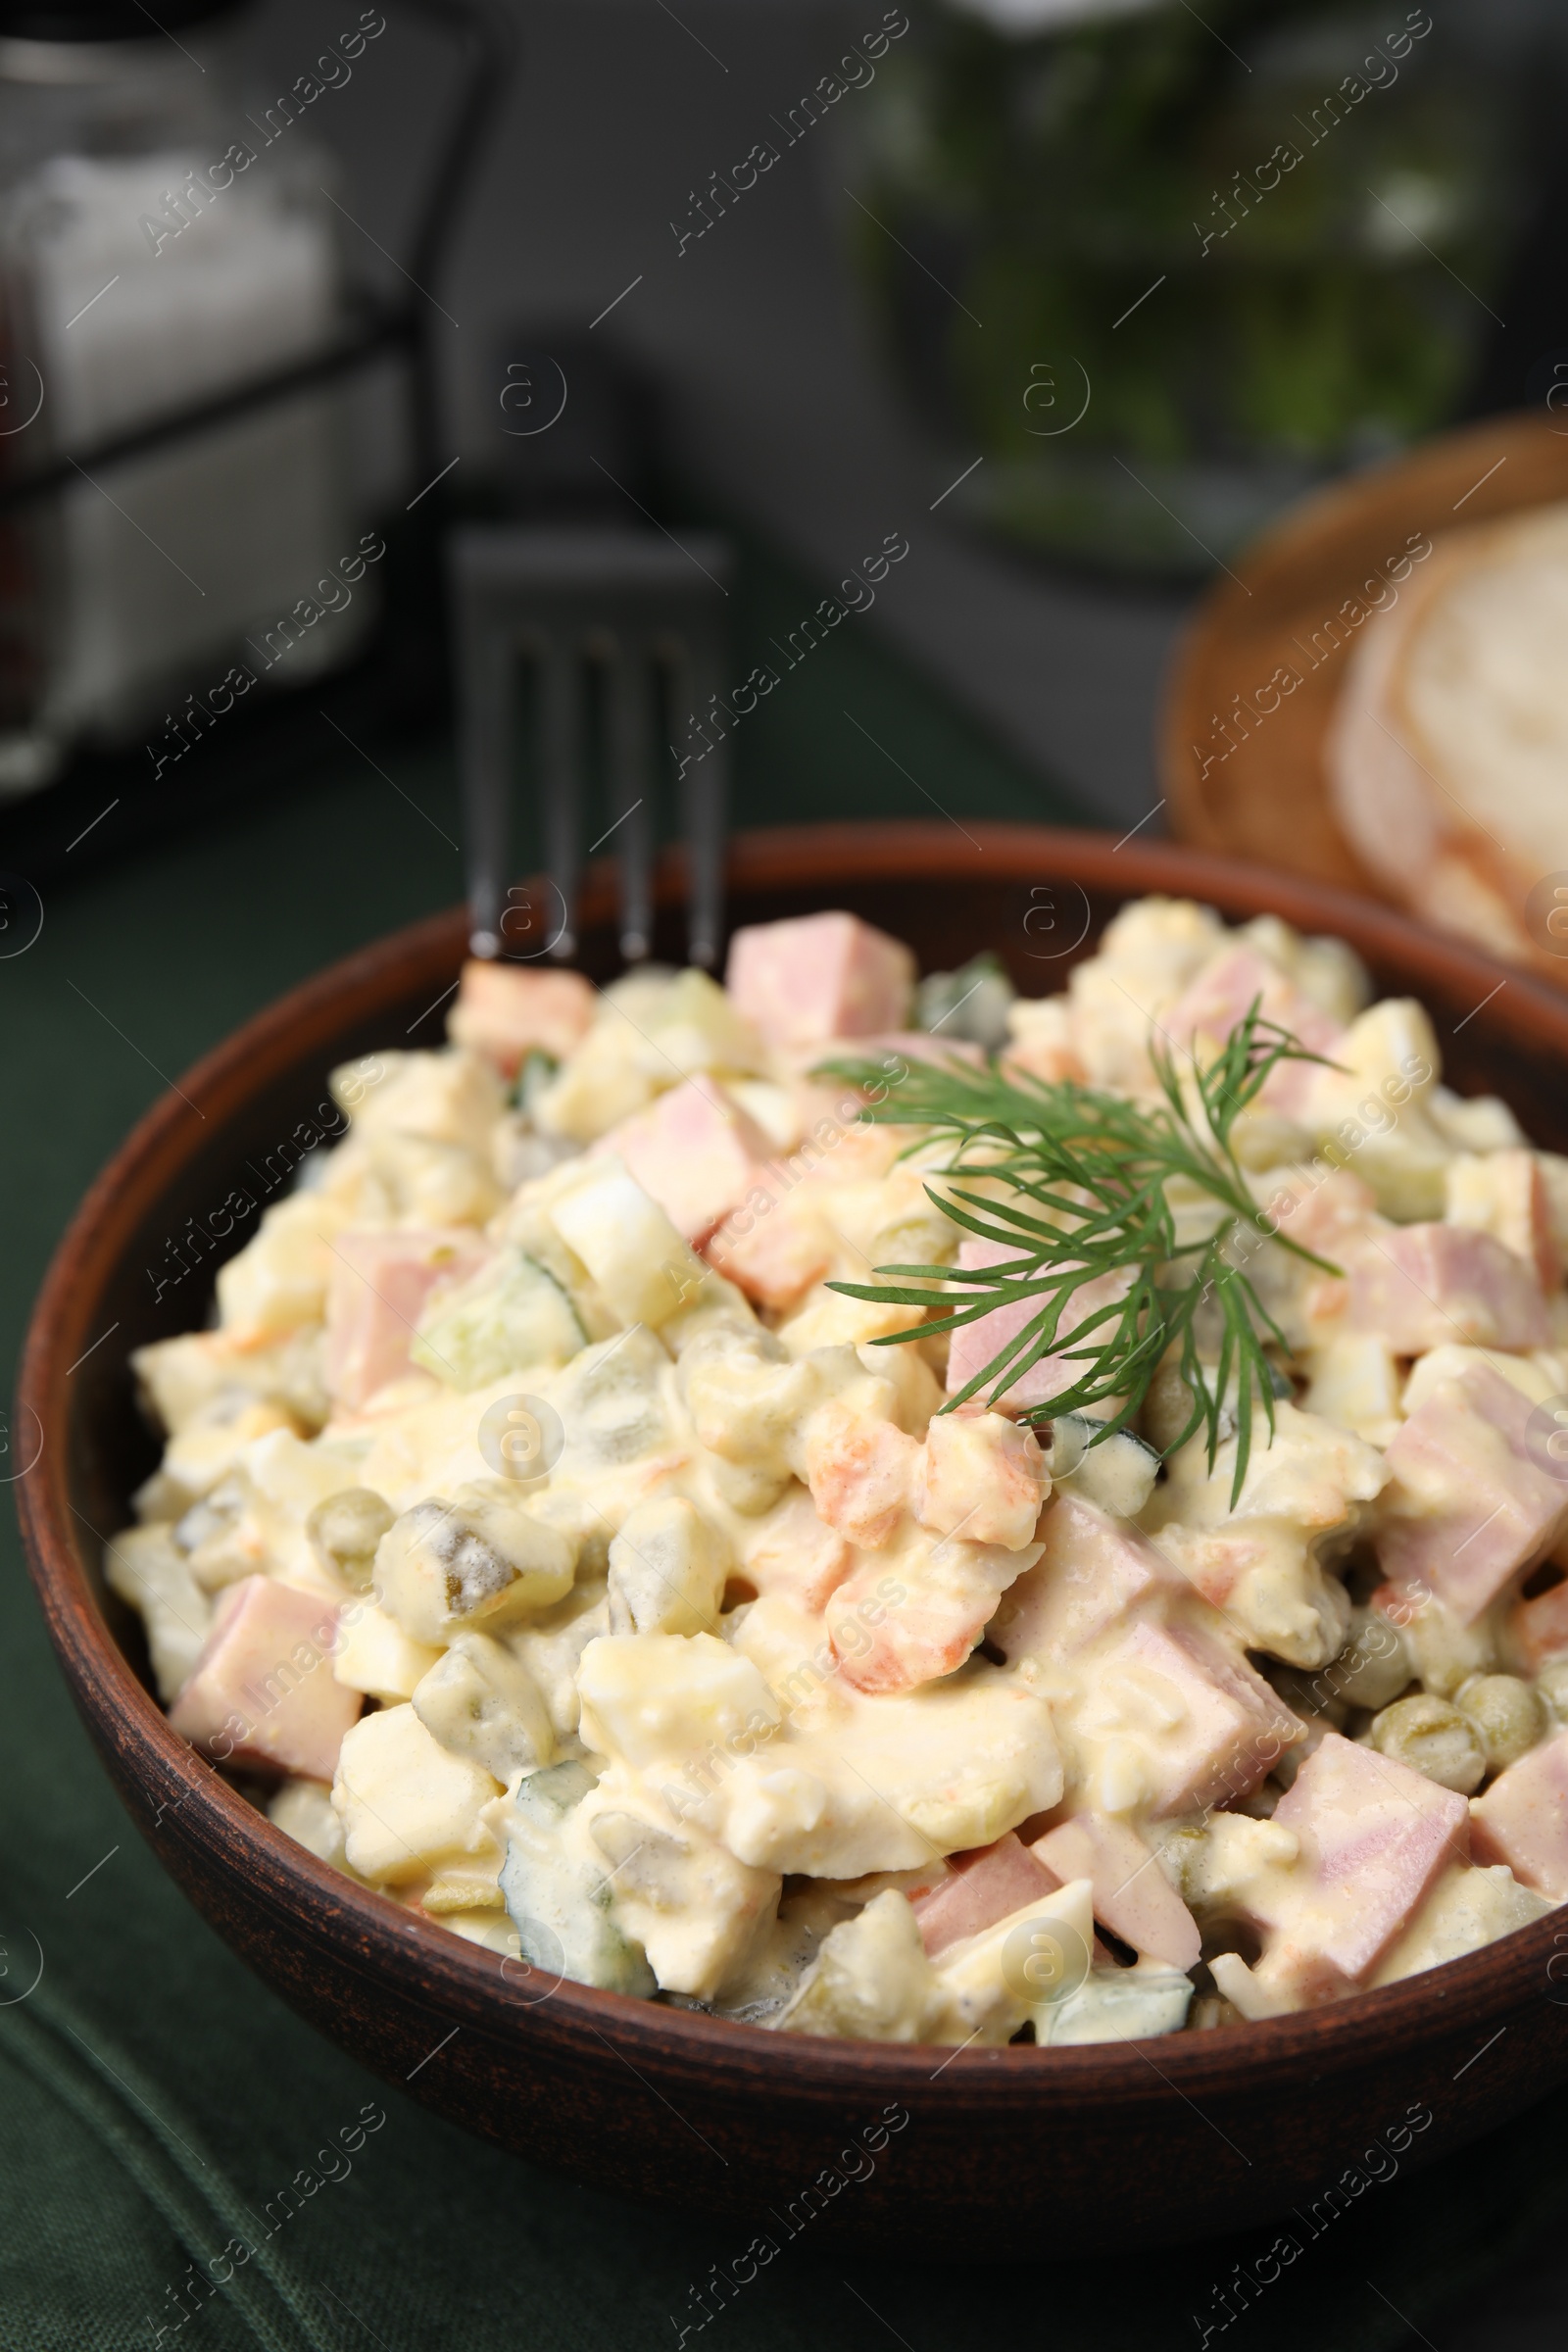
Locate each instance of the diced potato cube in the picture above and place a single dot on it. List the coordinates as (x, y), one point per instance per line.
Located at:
(646, 1697)
(279, 1279)
(374, 1654)
(628, 1245)
(145, 1566)
(406, 1804)
(1466, 1909)
(450, 1098)
(667, 1567)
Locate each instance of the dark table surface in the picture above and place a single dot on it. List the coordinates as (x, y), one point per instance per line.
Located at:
(155, 2101)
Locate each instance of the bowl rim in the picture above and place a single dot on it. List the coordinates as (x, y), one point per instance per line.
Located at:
(370, 1935)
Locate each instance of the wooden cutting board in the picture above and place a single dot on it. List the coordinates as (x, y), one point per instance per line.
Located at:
(1241, 750)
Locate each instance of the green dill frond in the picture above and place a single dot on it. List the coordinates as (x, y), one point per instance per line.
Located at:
(1075, 1191)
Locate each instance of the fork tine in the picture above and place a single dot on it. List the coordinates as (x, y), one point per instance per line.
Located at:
(560, 776)
(704, 814)
(630, 719)
(562, 598)
(485, 658)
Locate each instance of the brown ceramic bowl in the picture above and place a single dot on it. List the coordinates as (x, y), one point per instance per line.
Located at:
(1080, 2148)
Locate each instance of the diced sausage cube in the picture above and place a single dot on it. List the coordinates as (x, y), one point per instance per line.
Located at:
(1503, 1193)
(1323, 1216)
(1523, 1819)
(262, 1693)
(509, 1010)
(377, 1289)
(1219, 1727)
(1093, 1570)
(1422, 1286)
(819, 976)
(985, 1885)
(696, 1152)
(1539, 1628)
(1220, 997)
(773, 1250)
(1469, 1505)
(982, 1477)
(1133, 1897)
(973, 1346)
(1374, 1838)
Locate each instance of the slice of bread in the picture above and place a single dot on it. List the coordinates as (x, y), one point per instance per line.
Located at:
(1448, 754)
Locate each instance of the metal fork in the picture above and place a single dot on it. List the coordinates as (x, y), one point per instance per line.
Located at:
(566, 602)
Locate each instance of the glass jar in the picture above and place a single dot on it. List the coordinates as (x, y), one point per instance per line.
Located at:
(159, 247)
(1168, 267)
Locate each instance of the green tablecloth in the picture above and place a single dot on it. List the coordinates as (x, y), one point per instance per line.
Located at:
(154, 2100)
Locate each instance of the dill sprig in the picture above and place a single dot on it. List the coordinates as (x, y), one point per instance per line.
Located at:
(1078, 1190)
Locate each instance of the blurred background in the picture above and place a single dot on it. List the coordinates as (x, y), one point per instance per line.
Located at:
(1074, 295)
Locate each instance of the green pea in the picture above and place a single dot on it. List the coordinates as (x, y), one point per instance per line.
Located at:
(345, 1529)
(1433, 1739)
(1507, 1714)
(1552, 1685)
(1373, 1667)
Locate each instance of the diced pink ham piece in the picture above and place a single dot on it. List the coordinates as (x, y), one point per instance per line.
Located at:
(696, 1152)
(1469, 1504)
(1132, 1898)
(773, 1251)
(509, 1010)
(1224, 992)
(1374, 1837)
(1325, 1217)
(1522, 1820)
(379, 1284)
(975, 1345)
(262, 1694)
(1231, 1727)
(819, 976)
(985, 1885)
(1094, 1569)
(1539, 1628)
(891, 1046)
(1421, 1286)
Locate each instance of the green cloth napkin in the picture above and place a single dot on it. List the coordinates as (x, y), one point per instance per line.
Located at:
(156, 2101)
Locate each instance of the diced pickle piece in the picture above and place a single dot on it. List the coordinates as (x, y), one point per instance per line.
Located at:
(562, 1914)
(480, 1701)
(476, 1562)
(513, 1316)
(1117, 2004)
(871, 1981)
(345, 1529)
